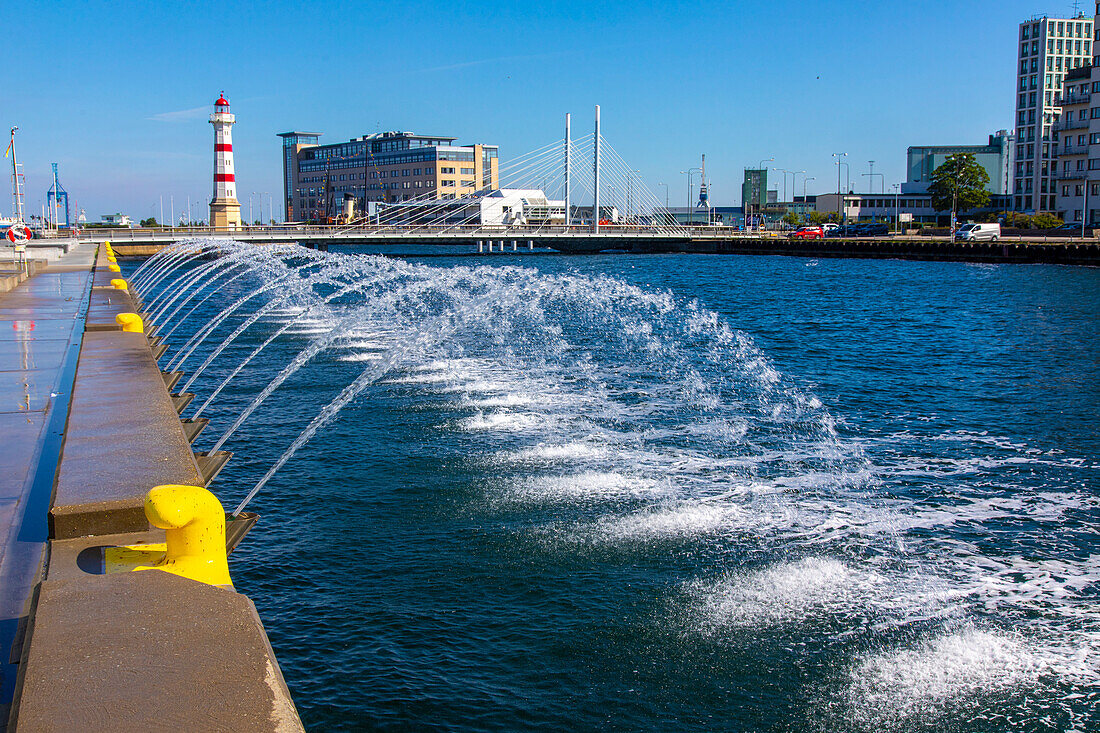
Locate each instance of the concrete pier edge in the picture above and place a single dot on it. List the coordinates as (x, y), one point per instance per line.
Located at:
(131, 650)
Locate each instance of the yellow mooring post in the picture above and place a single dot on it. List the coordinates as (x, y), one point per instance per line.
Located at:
(194, 524)
(113, 267)
(119, 284)
(130, 322)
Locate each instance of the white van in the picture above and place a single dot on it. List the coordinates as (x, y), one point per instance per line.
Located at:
(978, 233)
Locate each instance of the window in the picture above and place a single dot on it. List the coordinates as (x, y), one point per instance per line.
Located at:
(466, 171)
(447, 183)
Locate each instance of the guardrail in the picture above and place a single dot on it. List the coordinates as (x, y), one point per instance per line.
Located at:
(1063, 125)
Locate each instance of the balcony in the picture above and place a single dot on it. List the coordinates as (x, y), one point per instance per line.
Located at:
(1068, 150)
(1068, 175)
(1065, 125)
(1072, 99)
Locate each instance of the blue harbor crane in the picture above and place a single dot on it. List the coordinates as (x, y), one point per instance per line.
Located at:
(53, 199)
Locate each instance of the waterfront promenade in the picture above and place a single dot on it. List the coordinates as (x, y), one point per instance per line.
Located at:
(90, 428)
(40, 334)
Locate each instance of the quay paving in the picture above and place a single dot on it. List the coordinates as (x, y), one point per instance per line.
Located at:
(41, 323)
(88, 419)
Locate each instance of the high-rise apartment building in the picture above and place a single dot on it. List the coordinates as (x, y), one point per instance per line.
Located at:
(1050, 48)
(1077, 169)
(385, 166)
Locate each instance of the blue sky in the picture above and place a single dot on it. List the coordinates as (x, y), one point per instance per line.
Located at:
(119, 93)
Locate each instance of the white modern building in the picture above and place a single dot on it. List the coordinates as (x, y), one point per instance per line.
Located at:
(508, 207)
(1050, 48)
(117, 220)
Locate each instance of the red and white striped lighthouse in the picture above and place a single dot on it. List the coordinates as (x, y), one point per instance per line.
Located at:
(225, 210)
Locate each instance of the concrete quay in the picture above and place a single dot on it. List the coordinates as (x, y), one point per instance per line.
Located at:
(90, 428)
(1062, 250)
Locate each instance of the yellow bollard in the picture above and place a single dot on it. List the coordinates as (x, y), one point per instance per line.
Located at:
(130, 322)
(119, 284)
(194, 521)
(113, 267)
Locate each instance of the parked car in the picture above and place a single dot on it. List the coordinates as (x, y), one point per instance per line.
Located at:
(876, 230)
(978, 233)
(829, 226)
(808, 233)
(847, 230)
(1072, 229)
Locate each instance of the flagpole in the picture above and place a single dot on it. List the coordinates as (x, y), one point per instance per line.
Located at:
(17, 199)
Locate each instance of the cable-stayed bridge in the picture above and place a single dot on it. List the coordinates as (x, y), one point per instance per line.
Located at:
(561, 194)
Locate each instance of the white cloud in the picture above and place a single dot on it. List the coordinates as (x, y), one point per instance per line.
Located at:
(182, 115)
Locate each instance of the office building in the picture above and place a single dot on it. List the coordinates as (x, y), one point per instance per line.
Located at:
(1049, 48)
(997, 158)
(386, 166)
(856, 207)
(754, 189)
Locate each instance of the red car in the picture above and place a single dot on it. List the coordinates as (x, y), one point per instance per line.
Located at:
(809, 233)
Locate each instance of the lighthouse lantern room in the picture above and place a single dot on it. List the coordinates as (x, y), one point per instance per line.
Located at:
(225, 210)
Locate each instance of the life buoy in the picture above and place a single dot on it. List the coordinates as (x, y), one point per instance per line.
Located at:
(19, 234)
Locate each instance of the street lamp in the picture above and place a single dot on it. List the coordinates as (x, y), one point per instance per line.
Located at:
(897, 209)
(794, 182)
(264, 221)
(839, 198)
(250, 219)
(784, 171)
(691, 213)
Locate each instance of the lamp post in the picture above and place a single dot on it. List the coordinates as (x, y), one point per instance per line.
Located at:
(262, 194)
(794, 181)
(897, 209)
(784, 172)
(691, 212)
(839, 197)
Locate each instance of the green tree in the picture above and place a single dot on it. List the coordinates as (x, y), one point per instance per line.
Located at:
(959, 184)
(150, 222)
(817, 218)
(792, 219)
(1047, 221)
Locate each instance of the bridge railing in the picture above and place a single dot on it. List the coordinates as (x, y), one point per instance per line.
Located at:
(304, 232)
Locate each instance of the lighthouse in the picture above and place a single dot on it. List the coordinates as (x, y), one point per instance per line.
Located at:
(225, 211)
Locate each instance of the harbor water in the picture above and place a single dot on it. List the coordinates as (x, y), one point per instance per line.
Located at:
(539, 492)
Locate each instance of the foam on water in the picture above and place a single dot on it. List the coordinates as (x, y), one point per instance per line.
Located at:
(610, 416)
(941, 675)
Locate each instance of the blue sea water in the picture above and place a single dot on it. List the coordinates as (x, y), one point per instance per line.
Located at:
(671, 492)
